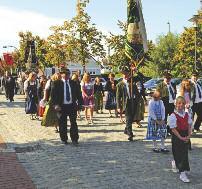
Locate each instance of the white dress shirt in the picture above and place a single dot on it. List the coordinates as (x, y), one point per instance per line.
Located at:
(171, 100)
(127, 87)
(197, 99)
(70, 92)
(172, 120)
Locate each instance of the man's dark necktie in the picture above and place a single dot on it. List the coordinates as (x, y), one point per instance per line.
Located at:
(171, 92)
(199, 91)
(67, 92)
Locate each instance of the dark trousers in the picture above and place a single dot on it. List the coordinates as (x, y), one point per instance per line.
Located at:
(180, 152)
(169, 109)
(197, 109)
(129, 116)
(68, 110)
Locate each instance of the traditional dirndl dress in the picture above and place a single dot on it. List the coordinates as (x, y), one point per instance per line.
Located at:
(50, 115)
(32, 100)
(88, 88)
(110, 101)
(155, 131)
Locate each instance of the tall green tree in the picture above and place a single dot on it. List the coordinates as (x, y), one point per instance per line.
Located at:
(185, 55)
(116, 43)
(77, 40)
(149, 67)
(164, 52)
(56, 47)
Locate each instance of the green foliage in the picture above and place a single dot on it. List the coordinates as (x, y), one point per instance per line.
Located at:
(116, 43)
(185, 56)
(76, 40)
(149, 68)
(164, 52)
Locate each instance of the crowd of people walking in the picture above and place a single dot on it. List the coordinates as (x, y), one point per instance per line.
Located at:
(171, 111)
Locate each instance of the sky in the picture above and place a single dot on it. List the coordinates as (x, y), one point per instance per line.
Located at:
(38, 15)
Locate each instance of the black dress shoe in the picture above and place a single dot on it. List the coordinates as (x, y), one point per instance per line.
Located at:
(75, 143)
(130, 138)
(164, 150)
(64, 142)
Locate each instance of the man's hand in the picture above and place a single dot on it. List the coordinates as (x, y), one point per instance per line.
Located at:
(185, 139)
(57, 108)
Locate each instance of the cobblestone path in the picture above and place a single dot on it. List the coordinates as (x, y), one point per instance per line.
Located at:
(103, 160)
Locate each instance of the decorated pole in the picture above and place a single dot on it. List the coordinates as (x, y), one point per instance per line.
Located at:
(136, 42)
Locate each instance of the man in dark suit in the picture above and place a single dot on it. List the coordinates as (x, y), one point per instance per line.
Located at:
(67, 99)
(126, 101)
(9, 87)
(196, 90)
(168, 93)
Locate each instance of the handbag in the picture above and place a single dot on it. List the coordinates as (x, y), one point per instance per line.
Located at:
(41, 111)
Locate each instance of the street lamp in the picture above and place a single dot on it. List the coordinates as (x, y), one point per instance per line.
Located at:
(197, 20)
(7, 46)
(168, 27)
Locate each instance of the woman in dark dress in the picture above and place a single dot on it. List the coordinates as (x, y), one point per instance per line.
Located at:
(111, 94)
(30, 88)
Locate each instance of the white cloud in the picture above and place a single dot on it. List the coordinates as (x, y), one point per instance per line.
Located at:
(13, 21)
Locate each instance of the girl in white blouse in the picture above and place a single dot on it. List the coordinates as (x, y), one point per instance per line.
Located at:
(157, 129)
(180, 122)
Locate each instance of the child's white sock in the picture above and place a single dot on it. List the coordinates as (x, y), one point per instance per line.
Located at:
(154, 144)
(162, 143)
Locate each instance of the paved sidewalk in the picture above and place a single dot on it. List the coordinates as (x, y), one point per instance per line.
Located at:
(103, 160)
(12, 173)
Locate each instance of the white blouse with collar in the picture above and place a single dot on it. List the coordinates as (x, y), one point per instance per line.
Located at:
(172, 120)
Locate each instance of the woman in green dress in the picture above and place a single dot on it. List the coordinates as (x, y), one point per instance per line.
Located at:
(50, 115)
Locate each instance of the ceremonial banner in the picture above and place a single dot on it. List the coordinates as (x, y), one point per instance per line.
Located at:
(27, 51)
(8, 58)
(136, 42)
(33, 52)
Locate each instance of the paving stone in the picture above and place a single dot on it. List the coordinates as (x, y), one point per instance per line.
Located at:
(104, 158)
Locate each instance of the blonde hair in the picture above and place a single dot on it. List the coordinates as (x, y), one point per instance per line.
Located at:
(183, 87)
(180, 99)
(56, 76)
(75, 77)
(86, 77)
(97, 80)
(31, 75)
(111, 75)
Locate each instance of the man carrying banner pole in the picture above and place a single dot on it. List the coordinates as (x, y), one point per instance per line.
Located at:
(135, 49)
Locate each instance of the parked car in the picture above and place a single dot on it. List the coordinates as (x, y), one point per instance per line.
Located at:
(150, 85)
(102, 80)
(200, 80)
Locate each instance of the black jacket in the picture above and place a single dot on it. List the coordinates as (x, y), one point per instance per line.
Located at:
(57, 93)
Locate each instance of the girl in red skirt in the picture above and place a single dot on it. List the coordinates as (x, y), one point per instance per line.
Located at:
(180, 122)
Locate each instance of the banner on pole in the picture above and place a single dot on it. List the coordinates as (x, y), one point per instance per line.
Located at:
(136, 42)
(8, 58)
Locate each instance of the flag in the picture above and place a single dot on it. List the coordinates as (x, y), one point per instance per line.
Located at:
(136, 42)
(8, 58)
(27, 51)
(33, 52)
